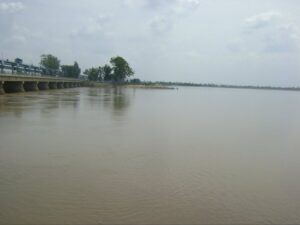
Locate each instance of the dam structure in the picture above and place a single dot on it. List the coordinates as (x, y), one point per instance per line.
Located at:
(10, 83)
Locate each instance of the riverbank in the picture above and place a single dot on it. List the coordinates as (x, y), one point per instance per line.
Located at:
(140, 86)
(152, 86)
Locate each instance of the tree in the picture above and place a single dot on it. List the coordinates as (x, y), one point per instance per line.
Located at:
(135, 81)
(76, 70)
(71, 70)
(121, 68)
(100, 73)
(107, 75)
(50, 62)
(93, 74)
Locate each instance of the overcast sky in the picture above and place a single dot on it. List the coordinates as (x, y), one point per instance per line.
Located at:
(253, 42)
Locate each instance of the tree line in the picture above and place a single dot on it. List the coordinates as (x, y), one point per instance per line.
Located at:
(117, 70)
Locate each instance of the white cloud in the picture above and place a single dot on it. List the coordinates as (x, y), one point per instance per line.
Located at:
(160, 24)
(264, 19)
(94, 36)
(92, 26)
(11, 7)
(19, 39)
(177, 6)
(185, 6)
(170, 12)
(268, 32)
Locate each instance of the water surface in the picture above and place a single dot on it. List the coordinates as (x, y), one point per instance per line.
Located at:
(120, 155)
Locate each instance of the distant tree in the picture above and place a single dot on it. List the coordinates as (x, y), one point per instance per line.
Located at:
(121, 68)
(93, 74)
(135, 81)
(67, 70)
(76, 70)
(100, 73)
(107, 72)
(71, 70)
(50, 62)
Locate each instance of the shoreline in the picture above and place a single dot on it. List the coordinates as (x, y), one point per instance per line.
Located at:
(138, 86)
(173, 86)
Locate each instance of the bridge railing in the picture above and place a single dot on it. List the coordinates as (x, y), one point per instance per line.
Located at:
(19, 68)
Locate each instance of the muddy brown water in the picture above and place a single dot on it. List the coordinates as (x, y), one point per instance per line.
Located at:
(121, 155)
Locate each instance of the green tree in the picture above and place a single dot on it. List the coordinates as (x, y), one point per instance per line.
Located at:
(76, 70)
(107, 72)
(50, 62)
(100, 73)
(93, 74)
(71, 70)
(135, 81)
(67, 70)
(121, 68)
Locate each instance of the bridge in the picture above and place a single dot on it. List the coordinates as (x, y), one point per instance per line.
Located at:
(10, 83)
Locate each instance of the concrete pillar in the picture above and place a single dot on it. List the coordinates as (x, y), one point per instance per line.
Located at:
(1, 88)
(52, 85)
(43, 85)
(66, 84)
(13, 86)
(31, 86)
(60, 85)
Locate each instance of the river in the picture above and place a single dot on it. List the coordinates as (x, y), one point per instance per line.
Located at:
(138, 156)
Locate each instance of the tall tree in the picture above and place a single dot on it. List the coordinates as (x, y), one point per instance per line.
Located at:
(50, 62)
(93, 74)
(107, 72)
(121, 68)
(100, 73)
(71, 70)
(76, 70)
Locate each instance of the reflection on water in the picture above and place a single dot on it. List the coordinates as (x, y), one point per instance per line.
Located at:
(120, 156)
(117, 99)
(45, 101)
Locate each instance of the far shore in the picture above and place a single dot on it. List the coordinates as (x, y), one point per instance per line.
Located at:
(151, 86)
(139, 86)
(175, 85)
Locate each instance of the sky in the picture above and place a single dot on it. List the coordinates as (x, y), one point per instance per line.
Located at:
(241, 42)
